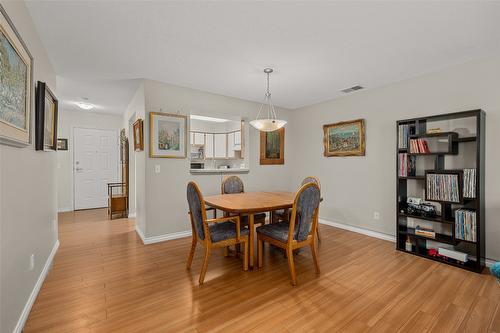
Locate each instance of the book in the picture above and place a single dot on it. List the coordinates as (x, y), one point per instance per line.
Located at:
(403, 134)
(465, 225)
(442, 187)
(419, 146)
(406, 165)
(469, 185)
(426, 232)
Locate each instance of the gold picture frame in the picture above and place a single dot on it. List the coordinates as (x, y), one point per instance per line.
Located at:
(272, 147)
(346, 138)
(167, 135)
(15, 118)
(138, 129)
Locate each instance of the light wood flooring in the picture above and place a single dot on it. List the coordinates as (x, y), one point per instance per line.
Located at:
(105, 280)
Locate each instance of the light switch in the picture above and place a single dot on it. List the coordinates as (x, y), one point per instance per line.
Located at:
(157, 168)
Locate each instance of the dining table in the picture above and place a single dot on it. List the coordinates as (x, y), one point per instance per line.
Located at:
(248, 204)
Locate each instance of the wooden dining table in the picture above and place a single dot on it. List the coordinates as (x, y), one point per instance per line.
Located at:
(248, 204)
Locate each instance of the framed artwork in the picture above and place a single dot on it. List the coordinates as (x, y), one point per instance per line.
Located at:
(62, 144)
(167, 135)
(272, 147)
(138, 128)
(16, 75)
(346, 138)
(46, 118)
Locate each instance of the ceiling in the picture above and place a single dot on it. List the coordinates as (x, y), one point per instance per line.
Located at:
(316, 48)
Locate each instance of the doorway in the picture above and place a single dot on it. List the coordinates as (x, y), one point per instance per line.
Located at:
(95, 165)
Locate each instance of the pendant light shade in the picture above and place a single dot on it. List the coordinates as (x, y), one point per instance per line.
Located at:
(271, 123)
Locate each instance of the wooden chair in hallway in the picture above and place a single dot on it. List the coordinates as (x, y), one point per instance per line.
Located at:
(284, 215)
(297, 233)
(212, 233)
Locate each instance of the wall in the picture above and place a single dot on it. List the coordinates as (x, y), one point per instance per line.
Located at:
(28, 197)
(136, 108)
(166, 204)
(355, 187)
(68, 120)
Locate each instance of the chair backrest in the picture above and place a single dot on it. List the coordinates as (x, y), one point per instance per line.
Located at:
(311, 179)
(196, 209)
(231, 185)
(304, 211)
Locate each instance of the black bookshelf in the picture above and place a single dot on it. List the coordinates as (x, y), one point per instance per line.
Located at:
(416, 128)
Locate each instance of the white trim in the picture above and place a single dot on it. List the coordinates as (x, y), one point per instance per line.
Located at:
(132, 215)
(34, 293)
(359, 230)
(65, 210)
(376, 234)
(162, 238)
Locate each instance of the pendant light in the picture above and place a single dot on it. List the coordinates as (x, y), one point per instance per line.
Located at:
(271, 123)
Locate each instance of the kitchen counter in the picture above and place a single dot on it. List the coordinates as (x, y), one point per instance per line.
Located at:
(218, 171)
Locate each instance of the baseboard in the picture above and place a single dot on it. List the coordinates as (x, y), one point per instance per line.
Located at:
(34, 293)
(65, 210)
(359, 230)
(139, 232)
(376, 234)
(162, 238)
(132, 215)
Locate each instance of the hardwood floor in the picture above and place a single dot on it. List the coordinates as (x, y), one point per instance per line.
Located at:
(104, 279)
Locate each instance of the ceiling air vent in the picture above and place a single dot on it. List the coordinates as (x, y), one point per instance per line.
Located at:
(351, 89)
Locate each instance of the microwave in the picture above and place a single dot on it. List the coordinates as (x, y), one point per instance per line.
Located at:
(197, 165)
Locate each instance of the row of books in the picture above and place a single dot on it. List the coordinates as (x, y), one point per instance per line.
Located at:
(407, 165)
(419, 146)
(465, 225)
(443, 187)
(425, 232)
(404, 133)
(469, 183)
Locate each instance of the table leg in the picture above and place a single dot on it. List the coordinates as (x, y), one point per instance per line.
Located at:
(251, 239)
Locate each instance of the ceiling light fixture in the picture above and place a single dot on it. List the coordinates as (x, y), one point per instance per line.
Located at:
(85, 106)
(271, 123)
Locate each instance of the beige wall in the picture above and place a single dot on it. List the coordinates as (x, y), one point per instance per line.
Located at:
(165, 194)
(28, 206)
(355, 187)
(68, 120)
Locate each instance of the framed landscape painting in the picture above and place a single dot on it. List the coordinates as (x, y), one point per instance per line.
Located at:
(344, 139)
(16, 73)
(138, 135)
(167, 135)
(272, 147)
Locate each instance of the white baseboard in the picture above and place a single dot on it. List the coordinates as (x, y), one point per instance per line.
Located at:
(359, 230)
(132, 215)
(376, 234)
(162, 238)
(65, 210)
(34, 293)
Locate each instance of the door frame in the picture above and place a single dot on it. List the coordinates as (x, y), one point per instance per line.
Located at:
(73, 175)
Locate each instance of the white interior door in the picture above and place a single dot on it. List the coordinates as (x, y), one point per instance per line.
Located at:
(95, 165)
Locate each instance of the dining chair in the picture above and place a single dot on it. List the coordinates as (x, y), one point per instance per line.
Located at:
(298, 232)
(212, 233)
(284, 215)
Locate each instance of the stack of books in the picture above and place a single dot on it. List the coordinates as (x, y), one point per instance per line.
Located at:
(465, 225)
(469, 183)
(406, 165)
(404, 132)
(419, 146)
(443, 187)
(426, 232)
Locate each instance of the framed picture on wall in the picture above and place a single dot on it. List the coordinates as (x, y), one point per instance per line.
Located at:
(138, 128)
(46, 118)
(62, 144)
(272, 147)
(346, 138)
(16, 82)
(167, 135)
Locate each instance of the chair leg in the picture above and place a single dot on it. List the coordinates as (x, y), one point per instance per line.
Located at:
(291, 266)
(191, 253)
(226, 251)
(245, 256)
(259, 252)
(205, 265)
(317, 234)
(315, 256)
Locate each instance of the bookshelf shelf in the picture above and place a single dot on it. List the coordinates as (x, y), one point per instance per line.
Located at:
(438, 146)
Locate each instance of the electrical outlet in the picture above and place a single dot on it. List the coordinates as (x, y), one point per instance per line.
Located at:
(157, 168)
(376, 215)
(32, 262)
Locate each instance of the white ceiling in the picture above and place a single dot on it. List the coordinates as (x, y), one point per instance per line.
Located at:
(317, 48)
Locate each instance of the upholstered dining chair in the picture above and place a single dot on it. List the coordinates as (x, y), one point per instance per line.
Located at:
(212, 233)
(234, 184)
(284, 215)
(297, 233)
